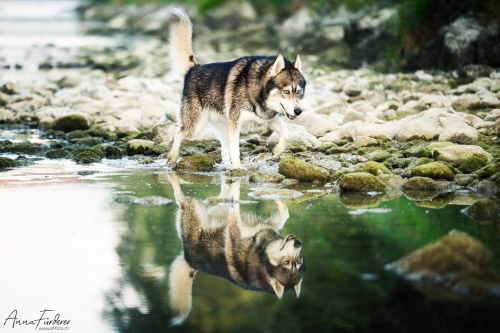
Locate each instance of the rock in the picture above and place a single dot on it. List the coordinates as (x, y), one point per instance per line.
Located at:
(472, 164)
(459, 133)
(72, 121)
(490, 102)
(138, 146)
(315, 124)
(6, 116)
(266, 176)
(457, 154)
(493, 115)
(393, 181)
(297, 134)
(484, 186)
(337, 105)
(274, 193)
(483, 211)
(452, 253)
(364, 141)
(361, 181)
(164, 133)
(127, 131)
(495, 86)
(78, 134)
(56, 153)
(417, 152)
(434, 170)
(435, 145)
(419, 129)
(467, 102)
(353, 115)
(238, 172)
(113, 152)
(152, 200)
(255, 139)
(9, 88)
(292, 167)
(379, 156)
(101, 92)
(432, 101)
(87, 155)
(45, 123)
(492, 169)
(421, 183)
(197, 162)
(6, 162)
(372, 167)
(495, 128)
(68, 82)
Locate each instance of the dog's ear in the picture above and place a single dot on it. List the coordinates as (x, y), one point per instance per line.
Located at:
(296, 288)
(278, 66)
(279, 289)
(297, 64)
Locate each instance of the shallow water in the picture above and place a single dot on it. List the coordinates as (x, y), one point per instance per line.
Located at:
(67, 245)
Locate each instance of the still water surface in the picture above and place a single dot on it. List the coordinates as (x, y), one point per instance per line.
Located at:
(67, 245)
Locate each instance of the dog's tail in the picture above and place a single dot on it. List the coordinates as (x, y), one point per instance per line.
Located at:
(181, 286)
(181, 45)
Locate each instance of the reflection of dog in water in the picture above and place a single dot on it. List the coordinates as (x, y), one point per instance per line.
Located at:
(239, 247)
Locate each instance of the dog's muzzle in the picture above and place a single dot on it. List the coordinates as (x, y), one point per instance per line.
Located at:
(297, 112)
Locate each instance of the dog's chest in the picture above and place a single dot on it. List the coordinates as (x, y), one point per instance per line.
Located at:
(249, 116)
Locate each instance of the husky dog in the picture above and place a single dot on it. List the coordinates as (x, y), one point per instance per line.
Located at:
(254, 88)
(239, 247)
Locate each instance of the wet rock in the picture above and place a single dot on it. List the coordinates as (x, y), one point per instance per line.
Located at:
(361, 181)
(152, 200)
(138, 146)
(56, 153)
(266, 176)
(238, 172)
(464, 180)
(87, 155)
(457, 154)
(484, 186)
(472, 164)
(23, 148)
(373, 167)
(88, 141)
(6, 116)
(483, 211)
(292, 167)
(421, 183)
(274, 193)
(393, 181)
(379, 156)
(364, 141)
(78, 134)
(113, 152)
(71, 122)
(197, 162)
(6, 162)
(417, 152)
(492, 169)
(9, 88)
(434, 170)
(126, 198)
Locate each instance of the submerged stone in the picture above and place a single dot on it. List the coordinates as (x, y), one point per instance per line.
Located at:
(292, 167)
(361, 181)
(266, 176)
(197, 162)
(434, 170)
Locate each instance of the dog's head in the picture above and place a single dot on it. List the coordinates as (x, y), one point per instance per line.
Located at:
(284, 264)
(285, 87)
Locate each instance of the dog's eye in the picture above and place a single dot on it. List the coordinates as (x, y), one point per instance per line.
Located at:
(298, 262)
(299, 91)
(286, 92)
(286, 262)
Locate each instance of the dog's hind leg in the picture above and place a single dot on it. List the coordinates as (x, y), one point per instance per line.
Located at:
(278, 125)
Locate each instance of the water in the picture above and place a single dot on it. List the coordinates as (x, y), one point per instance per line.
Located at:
(68, 246)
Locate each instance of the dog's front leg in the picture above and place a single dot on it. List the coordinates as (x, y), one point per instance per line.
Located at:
(234, 143)
(278, 125)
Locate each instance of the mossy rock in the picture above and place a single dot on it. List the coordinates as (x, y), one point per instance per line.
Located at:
(56, 153)
(88, 141)
(325, 146)
(336, 150)
(139, 146)
(23, 148)
(72, 122)
(484, 211)
(361, 181)
(87, 155)
(492, 169)
(265, 176)
(417, 152)
(435, 145)
(434, 170)
(292, 167)
(472, 164)
(421, 183)
(197, 162)
(238, 172)
(78, 134)
(422, 161)
(6, 162)
(113, 152)
(294, 148)
(360, 199)
(379, 156)
(373, 167)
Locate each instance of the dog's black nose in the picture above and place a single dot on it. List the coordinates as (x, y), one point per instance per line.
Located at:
(297, 112)
(297, 244)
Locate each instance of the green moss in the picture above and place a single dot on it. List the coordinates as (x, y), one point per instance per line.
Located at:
(238, 172)
(87, 155)
(492, 169)
(422, 161)
(6, 162)
(472, 164)
(292, 167)
(417, 152)
(197, 162)
(379, 156)
(434, 170)
(373, 167)
(421, 183)
(361, 181)
(113, 152)
(78, 134)
(56, 153)
(23, 148)
(435, 145)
